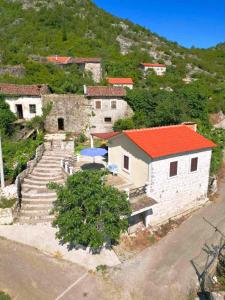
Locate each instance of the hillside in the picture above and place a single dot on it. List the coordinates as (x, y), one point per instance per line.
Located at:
(79, 28)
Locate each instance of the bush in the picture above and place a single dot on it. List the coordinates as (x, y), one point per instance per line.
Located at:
(220, 271)
(4, 296)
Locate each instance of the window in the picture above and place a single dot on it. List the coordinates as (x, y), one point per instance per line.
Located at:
(173, 168)
(126, 162)
(194, 164)
(32, 108)
(108, 120)
(113, 104)
(98, 104)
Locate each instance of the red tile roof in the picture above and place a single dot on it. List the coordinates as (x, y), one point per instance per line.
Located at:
(83, 60)
(106, 91)
(152, 65)
(106, 135)
(120, 80)
(168, 140)
(23, 90)
(62, 60)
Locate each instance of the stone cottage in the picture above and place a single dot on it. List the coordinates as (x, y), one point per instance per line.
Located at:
(88, 64)
(69, 113)
(170, 163)
(97, 110)
(108, 105)
(24, 100)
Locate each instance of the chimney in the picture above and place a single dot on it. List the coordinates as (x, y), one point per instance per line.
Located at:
(191, 125)
(85, 90)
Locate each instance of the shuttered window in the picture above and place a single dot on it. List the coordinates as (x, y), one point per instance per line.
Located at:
(126, 162)
(113, 104)
(194, 164)
(173, 168)
(98, 104)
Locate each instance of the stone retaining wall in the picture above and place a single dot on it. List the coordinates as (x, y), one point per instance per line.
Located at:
(30, 166)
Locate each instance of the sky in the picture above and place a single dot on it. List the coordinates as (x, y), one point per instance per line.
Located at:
(189, 22)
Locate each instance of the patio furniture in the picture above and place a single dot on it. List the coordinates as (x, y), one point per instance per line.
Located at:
(113, 169)
(93, 152)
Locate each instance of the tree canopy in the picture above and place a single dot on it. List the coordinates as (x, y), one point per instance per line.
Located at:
(88, 211)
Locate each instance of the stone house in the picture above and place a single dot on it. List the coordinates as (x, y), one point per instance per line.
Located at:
(121, 82)
(24, 100)
(88, 64)
(159, 69)
(92, 65)
(69, 113)
(171, 163)
(108, 105)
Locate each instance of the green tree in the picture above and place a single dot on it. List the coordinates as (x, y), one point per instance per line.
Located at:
(89, 212)
(220, 271)
(123, 124)
(6, 118)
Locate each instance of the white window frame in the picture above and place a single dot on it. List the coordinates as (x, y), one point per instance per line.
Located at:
(129, 163)
(193, 172)
(175, 176)
(32, 113)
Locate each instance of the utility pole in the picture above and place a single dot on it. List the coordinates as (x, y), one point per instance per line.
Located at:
(1, 167)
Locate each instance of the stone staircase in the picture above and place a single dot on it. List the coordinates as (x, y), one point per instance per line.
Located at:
(37, 199)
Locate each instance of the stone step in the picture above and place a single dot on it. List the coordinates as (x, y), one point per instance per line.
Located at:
(27, 201)
(35, 220)
(51, 171)
(34, 206)
(36, 202)
(43, 180)
(41, 174)
(32, 195)
(41, 188)
(46, 164)
(35, 213)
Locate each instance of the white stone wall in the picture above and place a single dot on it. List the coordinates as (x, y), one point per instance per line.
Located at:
(139, 160)
(160, 71)
(177, 194)
(97, 120)
(95, 69)
(25, 102)
(129, 86)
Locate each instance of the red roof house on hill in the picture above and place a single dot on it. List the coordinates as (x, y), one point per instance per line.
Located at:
(105, 91)
(124, 82)
(159, 69)
(168, 164)
(23, 90)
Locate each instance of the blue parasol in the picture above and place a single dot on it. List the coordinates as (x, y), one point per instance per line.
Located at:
(93, 152)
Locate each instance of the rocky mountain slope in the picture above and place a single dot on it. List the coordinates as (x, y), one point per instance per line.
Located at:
(80, 28)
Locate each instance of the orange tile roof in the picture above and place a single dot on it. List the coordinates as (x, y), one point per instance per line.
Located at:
(120, 80)
(59, 59)
(152, 65)
(83, 60)
(164, 141)
(106, 91)
(23, 90)
(105, 135)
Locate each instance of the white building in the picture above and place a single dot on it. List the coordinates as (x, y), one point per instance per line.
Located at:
(108, 105)
(159, 69)
(24, 100)
(173, 164)
(121, 82)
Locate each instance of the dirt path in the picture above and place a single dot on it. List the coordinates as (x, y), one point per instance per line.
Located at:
(164, 271)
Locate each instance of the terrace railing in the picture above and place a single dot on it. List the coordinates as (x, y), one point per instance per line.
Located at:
(133, 193)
